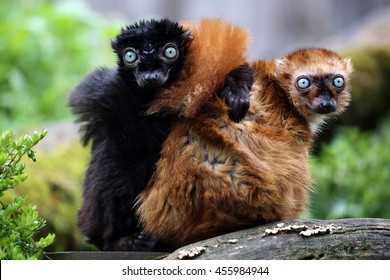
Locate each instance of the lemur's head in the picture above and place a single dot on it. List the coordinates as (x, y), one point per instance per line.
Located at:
(316, 81)
(151, 53)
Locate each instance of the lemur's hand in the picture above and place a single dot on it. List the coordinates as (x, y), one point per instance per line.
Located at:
(238, 84)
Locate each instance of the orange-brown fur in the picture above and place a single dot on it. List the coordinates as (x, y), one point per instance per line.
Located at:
(215, 176)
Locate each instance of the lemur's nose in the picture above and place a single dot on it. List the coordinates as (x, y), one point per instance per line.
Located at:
(151, 77)
(327, 106)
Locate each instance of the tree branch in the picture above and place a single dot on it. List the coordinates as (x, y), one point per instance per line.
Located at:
(298, 239)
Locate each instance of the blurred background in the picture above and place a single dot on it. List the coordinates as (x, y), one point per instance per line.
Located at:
(47, 47)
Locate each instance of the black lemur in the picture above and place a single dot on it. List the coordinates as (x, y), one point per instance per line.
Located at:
(126, 143)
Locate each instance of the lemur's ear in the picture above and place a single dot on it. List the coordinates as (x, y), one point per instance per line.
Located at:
(282, 66)
(114, 43)
(348, 62)
(187, 39)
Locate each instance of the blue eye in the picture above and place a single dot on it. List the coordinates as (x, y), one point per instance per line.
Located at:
(338, 82)
(303, 83)
(130, 57)
(170, 52)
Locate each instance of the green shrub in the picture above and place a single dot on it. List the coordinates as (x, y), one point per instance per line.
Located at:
(19, 220)
(55, 186)
(352, 175)
(47, 47)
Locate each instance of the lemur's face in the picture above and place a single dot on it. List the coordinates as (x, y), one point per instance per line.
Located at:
(316, 80)
(151, 53)
(321, 91)
(152, 64)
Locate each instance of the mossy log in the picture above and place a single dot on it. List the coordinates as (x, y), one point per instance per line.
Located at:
(298, 239)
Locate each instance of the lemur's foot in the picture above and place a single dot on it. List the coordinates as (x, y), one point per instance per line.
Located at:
(138, 241)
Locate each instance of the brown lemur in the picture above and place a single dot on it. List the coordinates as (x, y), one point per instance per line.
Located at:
(154, 57)
(216, 176)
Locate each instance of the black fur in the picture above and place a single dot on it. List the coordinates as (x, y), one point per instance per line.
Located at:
(126, 143)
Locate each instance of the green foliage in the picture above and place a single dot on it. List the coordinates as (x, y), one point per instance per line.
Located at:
(55, 186)
(19, 220)
(11, 153)
(46, 47)
(352, 175)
